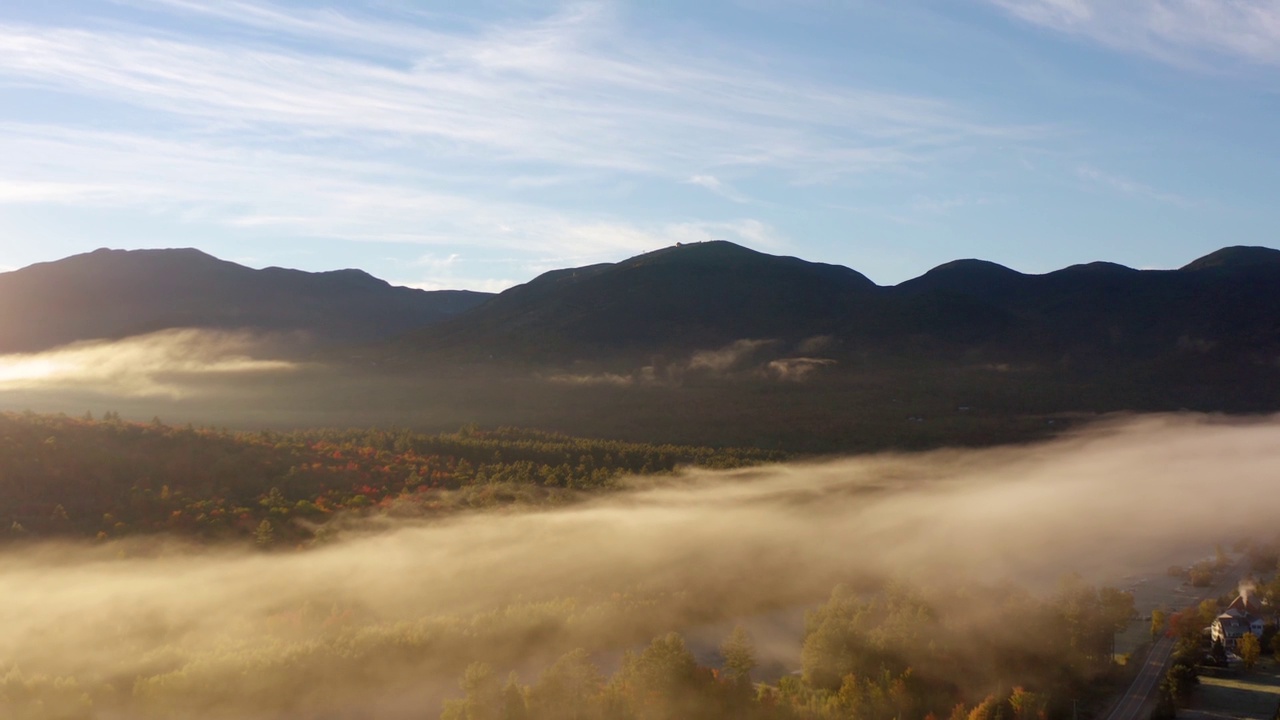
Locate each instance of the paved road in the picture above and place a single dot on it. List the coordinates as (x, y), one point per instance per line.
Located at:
(1134, 700)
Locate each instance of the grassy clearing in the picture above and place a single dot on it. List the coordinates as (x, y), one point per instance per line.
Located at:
(1246, 695)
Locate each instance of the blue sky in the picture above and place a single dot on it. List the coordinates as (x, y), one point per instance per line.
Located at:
(475, 145)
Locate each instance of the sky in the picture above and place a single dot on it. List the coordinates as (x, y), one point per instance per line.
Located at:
(475, 145)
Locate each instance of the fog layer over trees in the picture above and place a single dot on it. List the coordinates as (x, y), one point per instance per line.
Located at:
(384, 623)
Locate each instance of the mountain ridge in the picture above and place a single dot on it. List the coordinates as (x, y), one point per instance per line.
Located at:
(704, 295)
(110, 294)
(714, 344)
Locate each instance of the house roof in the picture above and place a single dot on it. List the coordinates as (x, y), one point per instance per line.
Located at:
(1245, 604)
(1231, 624)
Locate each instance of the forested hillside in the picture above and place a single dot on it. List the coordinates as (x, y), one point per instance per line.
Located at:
(81, 477)
(895, 653)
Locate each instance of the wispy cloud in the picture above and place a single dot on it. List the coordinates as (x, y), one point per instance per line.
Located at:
(1127, 186)
(931, 205)
(571, 89)
(312, 196)
(525, 136)
(717, 186)
(1182, 32)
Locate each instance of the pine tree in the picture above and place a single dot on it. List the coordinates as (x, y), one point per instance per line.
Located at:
(265, 535)
(739, 654)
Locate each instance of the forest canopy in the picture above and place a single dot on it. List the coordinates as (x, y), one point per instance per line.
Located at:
(106, 478)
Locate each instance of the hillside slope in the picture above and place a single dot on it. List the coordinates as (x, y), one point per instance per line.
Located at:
(116, 293)
(1222, 310)
(702, 294)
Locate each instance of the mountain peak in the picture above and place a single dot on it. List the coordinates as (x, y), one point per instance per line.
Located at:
(107, 294)
(705, 250)
(969, 276)
(1237, 256)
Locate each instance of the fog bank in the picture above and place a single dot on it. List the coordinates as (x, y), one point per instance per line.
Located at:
(169, 363)
(420, 600)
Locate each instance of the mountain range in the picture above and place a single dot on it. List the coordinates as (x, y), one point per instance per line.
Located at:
(112, 294)
(1221, 309)
(712, 342)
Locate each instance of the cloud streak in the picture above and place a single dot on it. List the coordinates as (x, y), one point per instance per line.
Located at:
(505, 134)
(570, 89)
(1192, 33)
(273, 191)
(1132, 188)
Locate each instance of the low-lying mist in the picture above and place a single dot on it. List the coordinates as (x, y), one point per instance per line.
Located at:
(388, 617)
(169, 363)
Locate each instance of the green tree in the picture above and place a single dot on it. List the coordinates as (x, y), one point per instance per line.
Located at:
(1166, 704)
(739, 653)
(265, 535)
(1249, 650)
(1218, 652)
(661, 682)
(1182, 677)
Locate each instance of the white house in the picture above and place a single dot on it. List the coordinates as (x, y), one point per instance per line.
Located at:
(1242, 616)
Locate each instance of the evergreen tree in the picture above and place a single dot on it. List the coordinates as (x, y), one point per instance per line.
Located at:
(739, 653)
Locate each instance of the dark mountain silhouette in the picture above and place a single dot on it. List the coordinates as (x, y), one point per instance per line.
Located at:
(1215, 321)
(116, 293)
(671, 299)
(707, 343)
(1237, 257)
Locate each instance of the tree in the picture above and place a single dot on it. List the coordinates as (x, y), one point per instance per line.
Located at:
(662, 681)
(739, 654)
(1166, 705)
(1218, 652)
(265, 535)
(1027, 705)
(568, 690)
(484, 698)
(1117, 607)
(1207, 612)
(514, 704)
(828, 652)
(1249, 650)
(1201, 574)
(988, 709)
(1158, 620)
(1182, 676)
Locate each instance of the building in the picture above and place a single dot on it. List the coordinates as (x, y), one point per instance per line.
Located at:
(1243, 615)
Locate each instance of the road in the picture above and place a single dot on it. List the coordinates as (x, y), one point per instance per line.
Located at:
(1134, 701)
(1135, 698)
